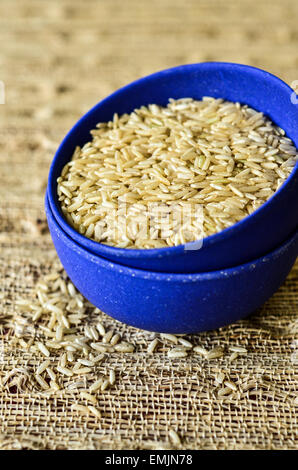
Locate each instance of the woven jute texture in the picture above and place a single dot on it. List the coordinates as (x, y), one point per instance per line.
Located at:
(57, 59)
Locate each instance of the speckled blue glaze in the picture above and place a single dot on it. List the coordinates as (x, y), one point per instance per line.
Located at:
(173, 303)
(258, 233)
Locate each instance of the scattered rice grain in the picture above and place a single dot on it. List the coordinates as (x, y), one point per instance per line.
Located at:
(96, 385)
(112, 377)
(152, 346)
(169, 337)
(200, 350)
(87, 396)
(94, 411)
(43, 349)
(177, 353)
(42, 367)
(210, 153)
(174, 437)
(65, 371)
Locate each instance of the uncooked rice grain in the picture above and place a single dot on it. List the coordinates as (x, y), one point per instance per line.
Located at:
(54, 385)
(51, 374)
(124, 347)
(192, 168)
(238, 349)
(105, 385)
(101, 329)
(82, 370)
(200, 350)
(65, 371)
(41, 382)
(87, 396)
(220, 377)
(115, 339)
(96, 385)
(152, 346)
(80, 408)
(94, 333)
(224, 391)
(112, 377)
(233, 356)
(174, 437)
(169, 337)
(215, 353)
(184, 342)
(98, 358)
(43, 349)
(62, 361)
(177, 353)
(94, 411)
(53, 345)
(86, 362)
(107, 337)
(70, 356)
(101, 347)
(76, 353)
(42, 367)
(230, 384)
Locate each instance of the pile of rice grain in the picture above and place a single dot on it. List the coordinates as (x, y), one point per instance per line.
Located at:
(223, 157)
(68, 346)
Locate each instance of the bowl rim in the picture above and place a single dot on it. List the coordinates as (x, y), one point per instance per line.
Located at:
(132, 253)
(168, 277)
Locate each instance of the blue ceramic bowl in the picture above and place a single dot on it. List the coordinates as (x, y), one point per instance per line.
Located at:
(173, 303)
(258, 233)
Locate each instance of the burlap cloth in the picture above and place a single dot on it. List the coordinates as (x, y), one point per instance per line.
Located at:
(57, 59)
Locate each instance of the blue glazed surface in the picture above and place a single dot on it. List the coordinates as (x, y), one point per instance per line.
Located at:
(173, 303)
(258, 233)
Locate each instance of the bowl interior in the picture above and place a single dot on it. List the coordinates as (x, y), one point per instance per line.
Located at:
(233, 82)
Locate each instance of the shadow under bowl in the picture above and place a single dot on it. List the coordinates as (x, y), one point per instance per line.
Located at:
(173, 303)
